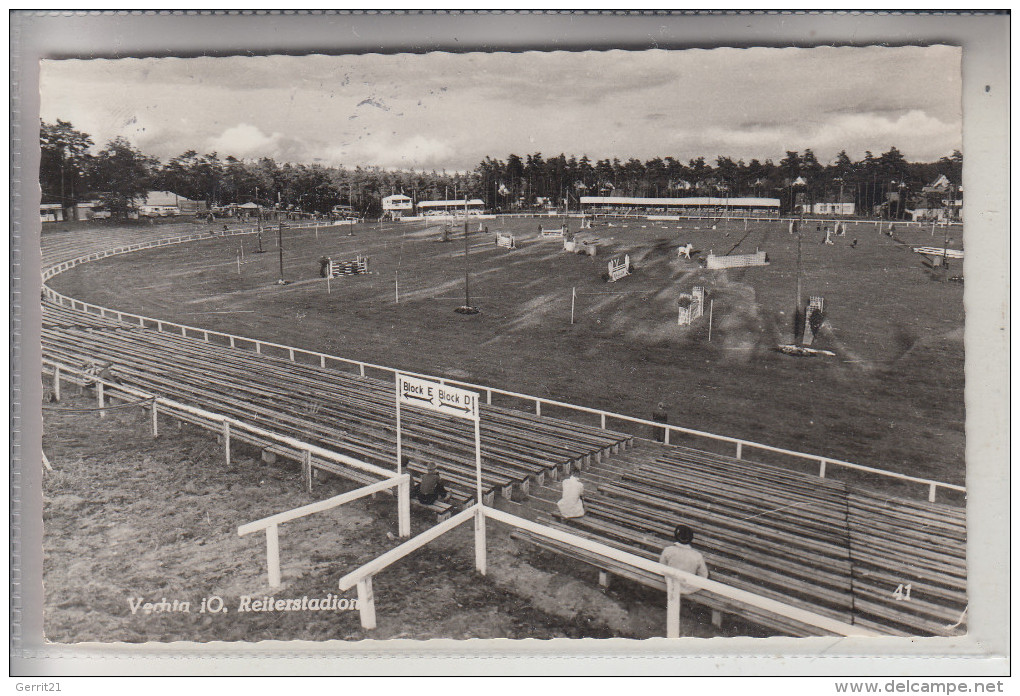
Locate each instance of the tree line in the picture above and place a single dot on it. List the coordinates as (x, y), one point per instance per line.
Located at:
(72, 170)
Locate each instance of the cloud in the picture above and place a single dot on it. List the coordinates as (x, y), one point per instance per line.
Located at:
(417, 151)
(244, 140)
(921, 135)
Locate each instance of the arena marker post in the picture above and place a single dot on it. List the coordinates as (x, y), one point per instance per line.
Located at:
(399, 457)
(673, 599)
(100, 400)
(273, 554)
(155, 418)
(306, 466)
(711, 306)
(480, 559)
(56, 384)
(366, 603)
(821, 468)
(931, 493)
(238, 263)
(404, 508)
(329, 289)
(740, 449)
(226, 441)
(573, 299)
(396, 287)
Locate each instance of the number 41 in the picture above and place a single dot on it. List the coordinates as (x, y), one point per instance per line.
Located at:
(902, 593)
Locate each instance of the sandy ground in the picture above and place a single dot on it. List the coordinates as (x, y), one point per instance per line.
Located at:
(131, 521)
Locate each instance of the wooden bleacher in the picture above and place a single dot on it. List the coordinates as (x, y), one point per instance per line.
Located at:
(347, 413)
(813, 543)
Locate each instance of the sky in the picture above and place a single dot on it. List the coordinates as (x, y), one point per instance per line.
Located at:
(448, 111)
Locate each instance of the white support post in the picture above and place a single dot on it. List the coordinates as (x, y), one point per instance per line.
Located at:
(538, 407)
(258, 347)
(56, 384)
(100, 400)
(273, 554)
(404, 508)
(931, 493)
(821, 468)
(306, 463)
(400, 457)
(673, 599)
(480, 556)
(226, 441)
(362, 365)
(488, 396)
(740, 449)
(155, 418)
(665, 439)
(290, 352)
(366, 603)
(231, 341)
(322, 361)
(478, 463)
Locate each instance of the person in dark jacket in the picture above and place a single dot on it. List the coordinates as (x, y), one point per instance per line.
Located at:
(430, 488)
(660, 416)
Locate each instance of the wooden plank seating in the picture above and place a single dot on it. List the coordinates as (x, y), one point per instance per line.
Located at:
(339, 410)
(766, 563)
(807, 541)
(464, 450)
(910, 563)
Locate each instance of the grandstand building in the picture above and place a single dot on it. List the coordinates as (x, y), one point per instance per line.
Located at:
(474, 206)
(701, 206)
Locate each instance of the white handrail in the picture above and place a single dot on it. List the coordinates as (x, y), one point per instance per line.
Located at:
(291, 442)
(744, 597)
(395, 554)
(271, 524)
(321, 505)
(675, 579)
(821, 460)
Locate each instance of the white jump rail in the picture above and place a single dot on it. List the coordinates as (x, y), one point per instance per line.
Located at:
(324, 359)
(272, 523)
(226, 424)
(675, 579)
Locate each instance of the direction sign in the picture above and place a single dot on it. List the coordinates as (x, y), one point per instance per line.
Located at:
(437, 397)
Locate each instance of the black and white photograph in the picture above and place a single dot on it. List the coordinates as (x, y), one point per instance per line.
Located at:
(606, 344)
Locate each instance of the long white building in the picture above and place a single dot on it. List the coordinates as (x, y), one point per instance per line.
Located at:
(679, 206)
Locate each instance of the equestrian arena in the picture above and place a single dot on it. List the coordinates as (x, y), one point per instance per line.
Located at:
(221, 423)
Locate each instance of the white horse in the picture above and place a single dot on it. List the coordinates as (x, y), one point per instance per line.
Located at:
(685, 251)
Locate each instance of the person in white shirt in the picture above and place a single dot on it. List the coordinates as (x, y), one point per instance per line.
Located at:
(570, 504)
(682, 557)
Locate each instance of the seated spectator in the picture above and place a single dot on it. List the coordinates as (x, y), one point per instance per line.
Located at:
(660, 416)
(681, 556)
(572, 504)
(430, 488)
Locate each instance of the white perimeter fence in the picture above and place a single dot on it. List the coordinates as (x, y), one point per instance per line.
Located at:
(312, 457)
(675, 579)
(324, 360)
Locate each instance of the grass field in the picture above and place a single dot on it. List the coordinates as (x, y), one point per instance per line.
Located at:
(892, 398)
